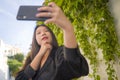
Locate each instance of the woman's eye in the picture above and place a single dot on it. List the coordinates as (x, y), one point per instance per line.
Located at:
(46, 30)
(38, 32)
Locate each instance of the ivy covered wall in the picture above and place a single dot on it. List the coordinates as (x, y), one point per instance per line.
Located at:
(96, 36)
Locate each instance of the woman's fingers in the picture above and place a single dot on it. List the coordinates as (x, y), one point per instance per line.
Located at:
(46, 45)
(45, 11)
(55, 13)
(52, 4)
(44, 14)
(49, 21)
(45, 8)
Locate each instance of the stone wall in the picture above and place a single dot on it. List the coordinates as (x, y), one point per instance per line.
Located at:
(115, 10)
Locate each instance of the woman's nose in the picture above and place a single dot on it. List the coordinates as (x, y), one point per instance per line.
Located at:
(43, 33)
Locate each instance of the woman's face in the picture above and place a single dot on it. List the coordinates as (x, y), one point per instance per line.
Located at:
(43, 35)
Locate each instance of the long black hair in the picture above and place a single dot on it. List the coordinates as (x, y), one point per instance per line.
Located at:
(35, 46)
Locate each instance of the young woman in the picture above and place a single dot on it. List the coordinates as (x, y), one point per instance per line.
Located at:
(47, 60)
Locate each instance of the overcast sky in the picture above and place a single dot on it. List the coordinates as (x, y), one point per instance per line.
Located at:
(12, 31)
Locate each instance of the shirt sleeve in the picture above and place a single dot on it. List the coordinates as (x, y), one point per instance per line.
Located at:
(71, 62)
(25, 74)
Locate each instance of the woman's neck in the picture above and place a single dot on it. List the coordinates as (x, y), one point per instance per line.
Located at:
(44, 58)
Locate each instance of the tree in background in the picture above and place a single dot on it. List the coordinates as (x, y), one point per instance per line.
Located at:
(14, 66)
(19, 57)
(15, 62)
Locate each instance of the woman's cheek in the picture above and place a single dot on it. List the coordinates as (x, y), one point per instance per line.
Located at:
(38, 41)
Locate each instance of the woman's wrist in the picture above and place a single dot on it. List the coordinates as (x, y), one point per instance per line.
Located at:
(67, 26)
(68, 29)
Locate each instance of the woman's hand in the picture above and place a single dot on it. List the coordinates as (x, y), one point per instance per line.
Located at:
(56, 16)
(43, 50)
(45, 47)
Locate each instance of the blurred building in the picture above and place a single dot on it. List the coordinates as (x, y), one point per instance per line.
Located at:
(6, 50)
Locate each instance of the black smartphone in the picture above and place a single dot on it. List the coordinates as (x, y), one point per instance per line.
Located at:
(26, 12)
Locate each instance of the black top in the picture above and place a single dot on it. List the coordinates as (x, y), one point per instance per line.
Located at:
(62, 64)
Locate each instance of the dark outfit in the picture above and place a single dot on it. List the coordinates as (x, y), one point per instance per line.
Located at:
(62, 64)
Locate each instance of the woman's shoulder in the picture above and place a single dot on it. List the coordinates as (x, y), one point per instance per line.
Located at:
(56, 51)
(59, 49)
